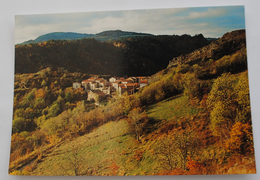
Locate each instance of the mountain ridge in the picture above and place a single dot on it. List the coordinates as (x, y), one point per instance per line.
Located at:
(102, 36)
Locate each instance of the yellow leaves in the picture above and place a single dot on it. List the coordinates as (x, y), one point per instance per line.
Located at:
(40, 93)
(53, 139)
(227, 100)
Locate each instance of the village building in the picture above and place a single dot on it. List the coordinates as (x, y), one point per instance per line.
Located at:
(95, 95)
(86, 84)
(143, 83)
(130, 88)
(116, 84)
(76, 85)
(112, 79)
(130, 85)
(140, 78)
(93, 85)
(107, 90)
(102, 83)
(132, 79)
(99, 79)
(125, 81)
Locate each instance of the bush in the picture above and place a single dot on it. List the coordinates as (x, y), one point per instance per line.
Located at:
(241, 139)
(21, 124)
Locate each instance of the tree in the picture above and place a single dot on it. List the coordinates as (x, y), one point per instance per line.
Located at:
(241, 139)
(68, 96)
(138, 122)
(74, 161)
(222, 103)
(243, 100)
(174, 148)
(20, 124)
(54, 110)
(44, 83)
(229, 103)
(40, 93)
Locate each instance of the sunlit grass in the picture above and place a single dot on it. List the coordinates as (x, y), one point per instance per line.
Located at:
(177, 106)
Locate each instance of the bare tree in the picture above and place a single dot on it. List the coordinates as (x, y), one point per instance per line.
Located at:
(174, 148)
(138, 122)
(74, 160)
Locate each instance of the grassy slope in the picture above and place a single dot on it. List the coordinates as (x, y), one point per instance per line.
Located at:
(112, 143)
(173, 107)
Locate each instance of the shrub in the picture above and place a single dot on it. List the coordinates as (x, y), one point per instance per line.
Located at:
(20, 124)
(241, 139)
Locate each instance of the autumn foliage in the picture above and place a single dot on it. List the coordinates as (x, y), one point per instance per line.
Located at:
(204, 140)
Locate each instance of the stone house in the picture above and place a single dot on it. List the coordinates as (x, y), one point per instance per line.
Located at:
(102, 83)
(95, 95)
(130, 88)
(76, 85)
(93, 85)
(107, 90)
(116, 84)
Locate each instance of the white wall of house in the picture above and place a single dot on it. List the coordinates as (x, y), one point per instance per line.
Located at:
(76, 85)
(142, 84)
(112, 79)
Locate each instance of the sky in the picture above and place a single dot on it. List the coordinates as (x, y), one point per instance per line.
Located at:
(209, 21)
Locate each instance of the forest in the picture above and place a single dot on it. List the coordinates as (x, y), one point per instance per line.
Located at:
(123, 57)
(194, 117)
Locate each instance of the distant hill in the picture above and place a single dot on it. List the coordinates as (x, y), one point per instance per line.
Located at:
(117, 34)
(102, 36)
(58, 36)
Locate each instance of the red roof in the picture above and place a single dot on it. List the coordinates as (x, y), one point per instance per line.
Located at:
(98, 79)
(108, 84)
(144, 81)
(118, 81)
(132, 84)
(85, 81)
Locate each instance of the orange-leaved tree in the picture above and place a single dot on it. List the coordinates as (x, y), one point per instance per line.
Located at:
(241, 139)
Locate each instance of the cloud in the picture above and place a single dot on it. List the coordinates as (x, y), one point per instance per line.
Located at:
(209, 13)
(211, 21)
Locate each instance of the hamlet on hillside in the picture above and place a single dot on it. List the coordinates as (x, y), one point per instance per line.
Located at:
(99, 88)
